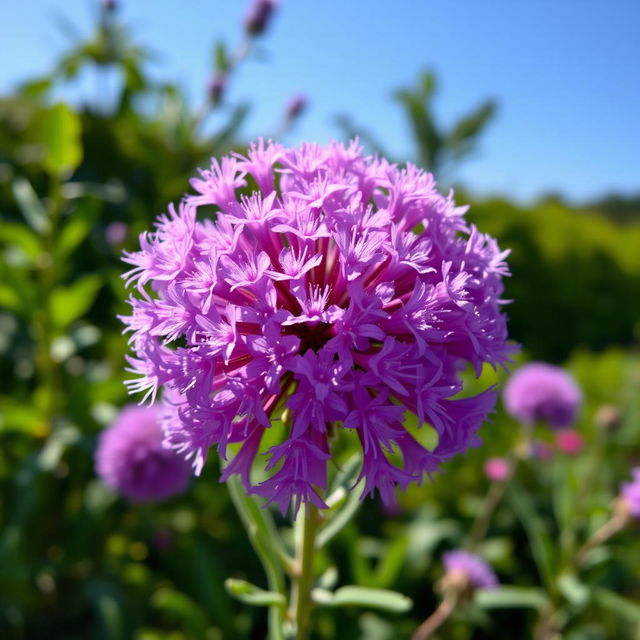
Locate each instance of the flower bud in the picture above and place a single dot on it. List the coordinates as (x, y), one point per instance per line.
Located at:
(295, 107)
(258, 17)
(497, 469)
(465, 572)
(570, 441)
(608, 417)
(217, 86)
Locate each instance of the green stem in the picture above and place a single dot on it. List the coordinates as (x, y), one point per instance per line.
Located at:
(265, 542)
(49, 372)
(308, 521)
(436, 619)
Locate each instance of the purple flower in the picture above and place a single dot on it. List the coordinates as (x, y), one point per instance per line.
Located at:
(116, 233)
(475, 570)
(131, 460)
(630, 493)
(542, 392)
(259, 15)
(340, 295)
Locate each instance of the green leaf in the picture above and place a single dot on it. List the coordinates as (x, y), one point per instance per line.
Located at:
(250, 594)
(10, 299)
(61, 138)
(72, 302)
(30, 205)
(220, 58)
(72, 234)
(617, 604)
(344, 501)
(539, 538)
(510, 598)
(109, 191)
(353, 595)
(182, 607)
(15, 234)
(392, 562)
(573, 590)
(106, 601)
(18, 292)
(471, 125)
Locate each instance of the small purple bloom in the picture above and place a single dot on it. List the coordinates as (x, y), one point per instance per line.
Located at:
(541, 450)
(339, 295)
(259, 16)
(630, 493)
(479, 574)
(116, 233)
(131, 460)
(542, 392)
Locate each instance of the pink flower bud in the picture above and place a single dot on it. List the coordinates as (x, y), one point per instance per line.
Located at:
(497, 469)
(570, 441)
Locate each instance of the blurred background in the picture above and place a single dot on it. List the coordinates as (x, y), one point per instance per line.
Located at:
(107, 109)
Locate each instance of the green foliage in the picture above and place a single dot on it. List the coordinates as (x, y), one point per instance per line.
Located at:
(436, 149)
(584, 270)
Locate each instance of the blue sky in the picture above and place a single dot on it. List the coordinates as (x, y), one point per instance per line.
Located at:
(565, 74)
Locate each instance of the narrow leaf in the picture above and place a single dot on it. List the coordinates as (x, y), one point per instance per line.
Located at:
(61, 138)
(352, 595)
(253, 595)
(511, 598)
(30, 205)
(70, 303)
(617, 604)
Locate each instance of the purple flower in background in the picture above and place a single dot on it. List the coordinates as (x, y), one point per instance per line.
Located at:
(339, 295)
(116, 233)
(259, 15)
(131, 459)
(541, 450)
(478, 574)
(542, 392)
(630, 493)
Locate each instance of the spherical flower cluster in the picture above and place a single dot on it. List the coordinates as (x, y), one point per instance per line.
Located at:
(542, 392)
(630, 493)
(131, 460)
(497, 469)
(477, 573)
(333, 292)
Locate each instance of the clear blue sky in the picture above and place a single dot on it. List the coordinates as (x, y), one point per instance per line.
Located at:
(565, 74)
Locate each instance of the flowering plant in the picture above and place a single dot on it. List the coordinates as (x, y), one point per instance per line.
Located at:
(311, 300)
